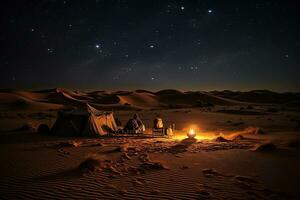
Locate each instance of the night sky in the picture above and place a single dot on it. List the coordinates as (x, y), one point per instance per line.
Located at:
(158, 44)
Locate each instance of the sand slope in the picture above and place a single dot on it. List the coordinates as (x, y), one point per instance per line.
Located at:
(259, 96)
(44, 169)
(140, 99)
(193, 98)
(11, 101)
(36, 166)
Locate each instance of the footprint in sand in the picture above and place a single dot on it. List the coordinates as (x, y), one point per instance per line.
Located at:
(137, 182)
(211, 173)
(156, 191)
(204, 194)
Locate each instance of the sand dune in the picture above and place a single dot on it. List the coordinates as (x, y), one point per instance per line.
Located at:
(10, 101)
(168, 92)
(35, 96)
(106, 99)
(194, 99)
(140, 99)
(259, 96)
(144, 91)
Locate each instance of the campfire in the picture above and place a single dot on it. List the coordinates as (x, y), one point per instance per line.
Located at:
(191, 133)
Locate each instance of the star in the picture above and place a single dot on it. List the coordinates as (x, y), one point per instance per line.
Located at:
(152, 78)
(32, 30)
(50, 50)
(97, 46)
(209, 11)
(182, 7)
(151, 46)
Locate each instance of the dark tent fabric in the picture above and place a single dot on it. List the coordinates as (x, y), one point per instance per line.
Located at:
(88, 122)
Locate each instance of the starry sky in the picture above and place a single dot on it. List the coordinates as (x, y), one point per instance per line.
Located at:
(150, 44)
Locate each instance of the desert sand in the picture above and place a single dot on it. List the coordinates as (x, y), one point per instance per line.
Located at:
(247, 147)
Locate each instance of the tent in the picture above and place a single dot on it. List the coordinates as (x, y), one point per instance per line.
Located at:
(87, 122)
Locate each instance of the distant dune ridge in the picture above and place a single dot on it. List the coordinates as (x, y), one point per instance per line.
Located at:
(58, 98)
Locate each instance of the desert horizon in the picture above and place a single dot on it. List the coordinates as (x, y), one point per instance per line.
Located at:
(149, 90)
(145, 99)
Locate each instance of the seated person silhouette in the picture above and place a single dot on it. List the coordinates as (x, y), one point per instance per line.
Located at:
(135, 125)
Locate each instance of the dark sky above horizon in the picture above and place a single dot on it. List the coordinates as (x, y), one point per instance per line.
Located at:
(151, 44)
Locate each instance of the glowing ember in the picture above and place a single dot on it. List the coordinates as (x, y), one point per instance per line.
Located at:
(191, 133)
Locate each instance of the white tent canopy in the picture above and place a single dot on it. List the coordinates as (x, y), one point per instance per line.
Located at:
(87, 122)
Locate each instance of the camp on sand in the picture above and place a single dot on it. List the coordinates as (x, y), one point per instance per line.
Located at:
(92, 122)
(87, 122)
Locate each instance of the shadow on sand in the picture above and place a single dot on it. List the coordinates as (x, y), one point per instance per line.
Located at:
(72, 173)
(182, 146)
